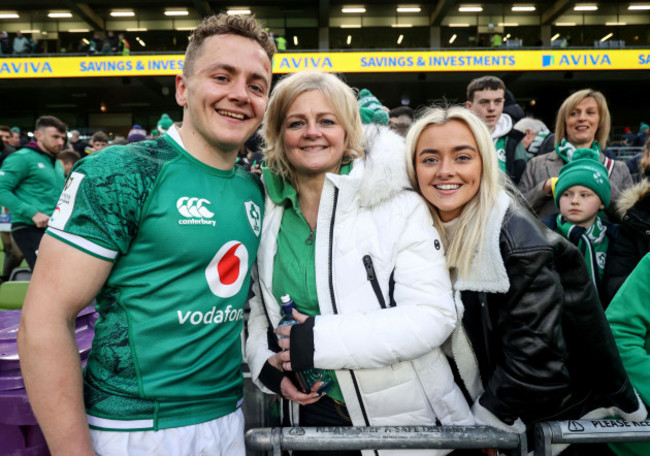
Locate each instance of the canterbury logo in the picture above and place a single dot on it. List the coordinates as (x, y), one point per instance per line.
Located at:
(193, 207)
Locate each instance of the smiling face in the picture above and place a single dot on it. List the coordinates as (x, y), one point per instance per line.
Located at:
(580, 205)
(225, 94)
(448, 167)
(582, 123)
(313, 136)
(488, 105)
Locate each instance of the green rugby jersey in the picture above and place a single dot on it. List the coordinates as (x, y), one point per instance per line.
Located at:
(183, 237)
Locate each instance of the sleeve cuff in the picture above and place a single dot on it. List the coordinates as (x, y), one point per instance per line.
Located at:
(302, 345)
(271, 377)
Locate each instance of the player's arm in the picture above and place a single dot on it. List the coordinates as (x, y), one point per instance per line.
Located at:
(46, 343)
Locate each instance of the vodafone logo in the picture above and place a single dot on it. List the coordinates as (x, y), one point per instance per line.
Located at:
(228, 269)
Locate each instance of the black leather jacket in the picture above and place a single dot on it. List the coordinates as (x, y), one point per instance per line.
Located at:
(544, 348)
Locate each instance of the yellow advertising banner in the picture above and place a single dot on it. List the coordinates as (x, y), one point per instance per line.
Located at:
(342, 62)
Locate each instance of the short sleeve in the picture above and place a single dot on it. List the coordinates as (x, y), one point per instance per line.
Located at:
(101, 204)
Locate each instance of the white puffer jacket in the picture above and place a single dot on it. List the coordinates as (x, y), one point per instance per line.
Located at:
(388, 361)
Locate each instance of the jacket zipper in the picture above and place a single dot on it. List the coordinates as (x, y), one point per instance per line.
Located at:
(372, 278)
(331, 287)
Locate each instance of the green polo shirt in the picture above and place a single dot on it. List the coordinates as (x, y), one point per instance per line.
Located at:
(294, 267)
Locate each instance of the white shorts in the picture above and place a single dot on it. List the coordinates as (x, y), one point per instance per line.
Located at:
(221, 437)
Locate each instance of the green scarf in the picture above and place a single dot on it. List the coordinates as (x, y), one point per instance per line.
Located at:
(500, 145)
(565, 150)
(592, 242)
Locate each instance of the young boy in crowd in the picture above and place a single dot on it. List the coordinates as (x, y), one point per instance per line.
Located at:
(68, 158)
(98, 141)
(581, 191)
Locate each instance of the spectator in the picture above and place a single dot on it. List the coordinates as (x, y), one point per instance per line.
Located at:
(95, 44)
(17, 138)
(400, 119)
(629, 318)
(633, 241)
(583, 121)
(396, 375)
(31, 181)
(512, 108)
(165, 381)
(123, 46)
(629, 138)
(5, 44)
(538, 139)
(532, 343)
(112, 42)
(486, 98)
(164, 123)
(5, 147)
(281, 43)
(638, 163)
(78, 145)
(68, 158)
(137, 133)
(642, 136)
(581, 192)
(97, 142)
(21, 44)
(35, 46)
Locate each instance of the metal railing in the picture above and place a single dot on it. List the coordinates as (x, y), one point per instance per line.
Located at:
(588, 431)
(383, 438)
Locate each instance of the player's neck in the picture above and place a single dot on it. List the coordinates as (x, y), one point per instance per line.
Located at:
(206, 153)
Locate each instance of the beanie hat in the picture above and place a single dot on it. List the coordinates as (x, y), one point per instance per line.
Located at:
(643, 126)
(164, 123)
(583, 171)
(136, 134)
(371, 109)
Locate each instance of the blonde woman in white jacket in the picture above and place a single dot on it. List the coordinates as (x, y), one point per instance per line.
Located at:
(344, 234)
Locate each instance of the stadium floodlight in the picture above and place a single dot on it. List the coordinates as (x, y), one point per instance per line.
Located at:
(176, 12)
(9, 15)
(408, 9)
(122, 13)
(242, 11)
(585, 7)
(523, 8)
(638, 7)
(470, 8)
(353, 9)
(59, 14)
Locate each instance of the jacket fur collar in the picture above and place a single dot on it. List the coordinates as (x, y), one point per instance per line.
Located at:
(488, 273)
(380, 175)
(631, 196)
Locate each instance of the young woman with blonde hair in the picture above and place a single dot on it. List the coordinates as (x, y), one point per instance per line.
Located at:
(532, 343)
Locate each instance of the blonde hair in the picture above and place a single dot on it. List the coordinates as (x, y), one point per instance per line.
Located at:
(604, 124)
(474, 216)
(343, 102)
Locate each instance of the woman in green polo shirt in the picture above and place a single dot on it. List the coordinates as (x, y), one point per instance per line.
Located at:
(346, 236)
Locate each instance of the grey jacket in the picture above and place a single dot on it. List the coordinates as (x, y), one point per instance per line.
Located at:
(542, 167)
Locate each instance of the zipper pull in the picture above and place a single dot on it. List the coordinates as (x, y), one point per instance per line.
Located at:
(370, 270)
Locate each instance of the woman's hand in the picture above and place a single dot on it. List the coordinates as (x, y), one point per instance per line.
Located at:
(290, 392)
(284, 357)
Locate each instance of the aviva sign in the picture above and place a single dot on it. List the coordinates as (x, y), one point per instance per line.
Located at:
(340, 62)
